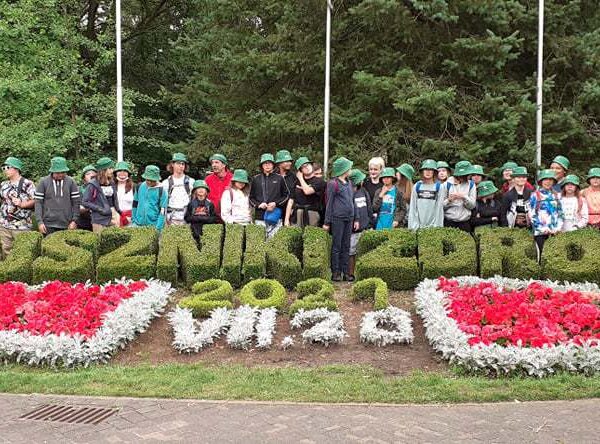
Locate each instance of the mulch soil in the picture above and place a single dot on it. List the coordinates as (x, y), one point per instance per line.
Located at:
(154, 346)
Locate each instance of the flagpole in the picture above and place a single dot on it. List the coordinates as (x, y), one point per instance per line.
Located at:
(540, 84)
(327, 89)
(119, 85)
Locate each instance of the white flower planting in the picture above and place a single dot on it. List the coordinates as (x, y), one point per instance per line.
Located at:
(446, 337)
(131, 317)
(242, 326)
(287, 342)
(328, 326)
(398, 327)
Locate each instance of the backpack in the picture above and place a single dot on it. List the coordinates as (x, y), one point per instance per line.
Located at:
(419, 183)
(160, 192)
(186, 184)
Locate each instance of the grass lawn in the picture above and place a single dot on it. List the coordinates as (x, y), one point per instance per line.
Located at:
(324, 384)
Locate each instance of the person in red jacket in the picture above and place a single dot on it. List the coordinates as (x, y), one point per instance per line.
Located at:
(218, 181)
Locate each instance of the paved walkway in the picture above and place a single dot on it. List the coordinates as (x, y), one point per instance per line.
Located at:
(154, 420)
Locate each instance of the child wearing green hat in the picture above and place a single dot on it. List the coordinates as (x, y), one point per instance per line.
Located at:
(560, 165)
(150, 201)
(427, 201)
(268, 194)
(124, 191)
(574, 206)
(84, 221)
(178, 187)
(363, 216)
(545, 211)
(515, 202)
(460, 198)
(405, 174)
(200, 210)
(283, 161)
(443, 171)
(16, 209)
(304, 206)
(98, 196)
(389, 202)
(592, 197)
(487, 210)
(235, 202)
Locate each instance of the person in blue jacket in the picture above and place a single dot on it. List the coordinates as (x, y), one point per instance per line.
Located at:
(150, 201)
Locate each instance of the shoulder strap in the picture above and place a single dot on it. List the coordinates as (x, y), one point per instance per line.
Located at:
(186, 184)
(448, 186)
(471, 184)
(418, 186)
(437, 187)
(20, 186)
(171, 184)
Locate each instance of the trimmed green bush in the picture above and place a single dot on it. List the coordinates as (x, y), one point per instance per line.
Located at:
(314, 293)
(373, 289)
(446, 252)
(68, 255)
(283, 253)
(18, 266)
(208, 295)
(255, 254)
(233, 250)
(572, 256)
(508, 252)
(129, 252)
(263, 293)
(209, 260)
(389, 255)
(316, 253)
(167, 263)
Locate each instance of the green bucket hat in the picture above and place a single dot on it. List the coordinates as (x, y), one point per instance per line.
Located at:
(87, 169)
(546, 174)
(430, 164)
(486, 188)
(14, 163)
(58, 165)
(477, 170)
(357, 176)
(562, 161)
(240, 176)
(407, 171)
(442, 164)
(122, 166)
(283, 156)
(301, 161)
(104, 163)
(219, 157)
(200, 184)
(388, 172)
(462, 168)
(267, 158)
(510, 165)
(341, 165)
(593, 172)
(519, 172)
(180, 157)
(572, 179)
(151, 172)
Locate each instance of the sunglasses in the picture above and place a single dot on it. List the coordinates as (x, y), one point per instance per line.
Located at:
(6, 167)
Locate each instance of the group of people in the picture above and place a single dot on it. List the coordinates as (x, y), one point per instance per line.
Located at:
(293, 192)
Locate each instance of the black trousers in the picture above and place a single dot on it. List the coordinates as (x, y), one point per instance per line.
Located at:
(341, 230)
(464, 225)
(539, 243)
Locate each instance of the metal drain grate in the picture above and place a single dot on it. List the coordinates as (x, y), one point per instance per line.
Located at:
(70, 414)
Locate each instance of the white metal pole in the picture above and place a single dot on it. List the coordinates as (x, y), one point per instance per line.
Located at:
(540, 84)
(327, 81)
(119, 85)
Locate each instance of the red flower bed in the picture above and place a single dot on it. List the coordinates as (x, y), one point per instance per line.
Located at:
(531, 317)
(60, 307)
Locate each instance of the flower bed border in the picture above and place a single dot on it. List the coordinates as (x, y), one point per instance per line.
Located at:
(130, 317)
(445, 336)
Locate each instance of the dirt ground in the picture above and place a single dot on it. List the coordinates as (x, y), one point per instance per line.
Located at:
(154, 346)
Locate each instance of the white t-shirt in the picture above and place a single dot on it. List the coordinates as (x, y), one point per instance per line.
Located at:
(179, 197)
(124, 198)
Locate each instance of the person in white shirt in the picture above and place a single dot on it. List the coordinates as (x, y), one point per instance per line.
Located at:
(124, 191)
(178, 187)
(574, 207)
(235, 201)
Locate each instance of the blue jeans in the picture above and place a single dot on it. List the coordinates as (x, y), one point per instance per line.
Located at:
(341, 230)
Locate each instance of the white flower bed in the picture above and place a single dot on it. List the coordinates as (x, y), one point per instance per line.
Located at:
(446, 337)
(328, 326)
(131, 317)
(398, 321)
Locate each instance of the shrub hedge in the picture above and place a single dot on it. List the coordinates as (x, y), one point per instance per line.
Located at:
(209, 260)
(129, 252)
(68, 256)
(283, 251)
(255, 254)
(18, 266)
(208, 295)
(446, 252)
(508, 252)
(316, 253)
(374, 289)
(233, 251)
(390, 255)
(263, 293)
(167, 263)
(314, 293)
(572, 256)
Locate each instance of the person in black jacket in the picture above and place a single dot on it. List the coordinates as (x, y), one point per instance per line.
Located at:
(488, 208)
(268, 194)
(515, 202)
(199, 210)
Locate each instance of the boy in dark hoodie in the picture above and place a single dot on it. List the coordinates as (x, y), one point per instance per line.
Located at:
(200, 210)
(363, 216)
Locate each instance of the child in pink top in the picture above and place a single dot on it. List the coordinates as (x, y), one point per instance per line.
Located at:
(592, 197)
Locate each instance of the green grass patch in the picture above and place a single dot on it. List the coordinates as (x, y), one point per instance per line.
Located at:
(323, 384)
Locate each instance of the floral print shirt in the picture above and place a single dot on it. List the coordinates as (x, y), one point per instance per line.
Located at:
(545, 212)
(11, 216)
